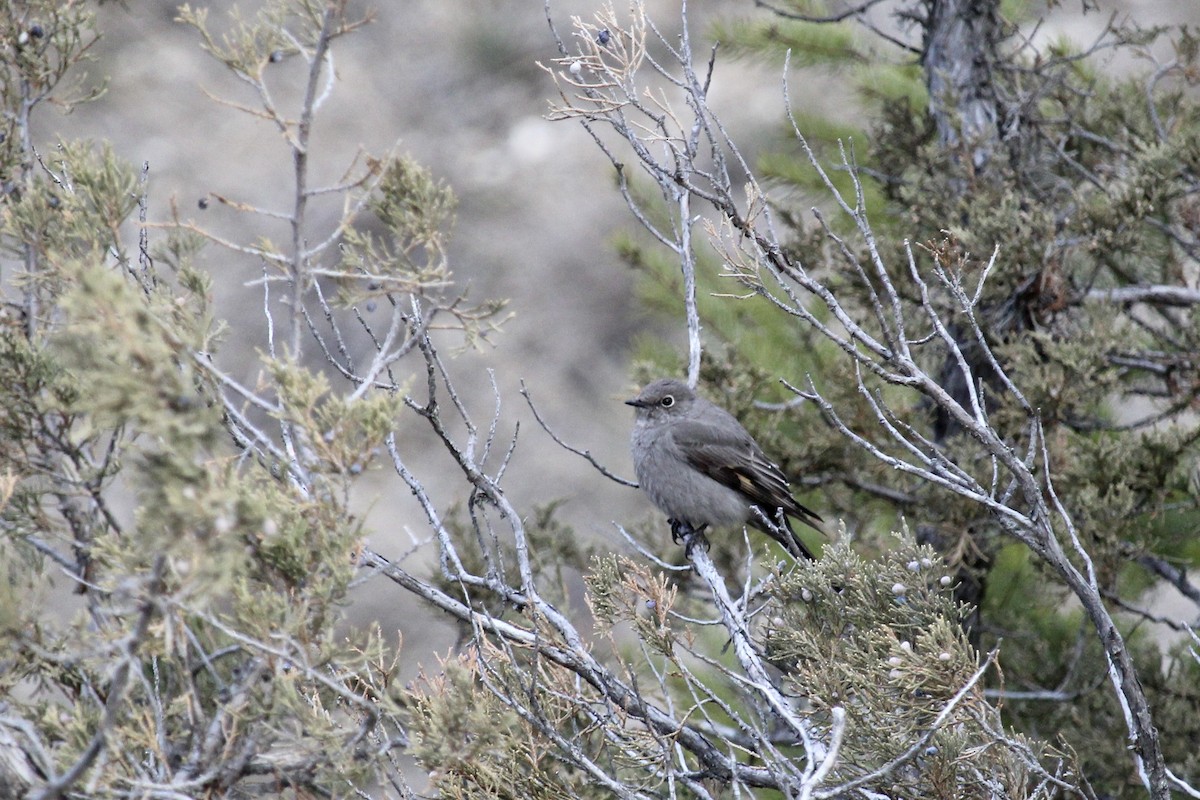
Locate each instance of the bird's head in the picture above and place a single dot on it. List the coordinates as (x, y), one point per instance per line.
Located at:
(663, 398)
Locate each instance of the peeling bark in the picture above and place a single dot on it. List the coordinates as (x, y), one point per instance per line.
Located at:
(961, 37)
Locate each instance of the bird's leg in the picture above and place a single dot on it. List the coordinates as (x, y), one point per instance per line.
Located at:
(683, 532)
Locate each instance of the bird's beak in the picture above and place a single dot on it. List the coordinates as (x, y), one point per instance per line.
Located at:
(636, 402)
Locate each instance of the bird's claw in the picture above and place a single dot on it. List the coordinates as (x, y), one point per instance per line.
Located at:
(683, 532)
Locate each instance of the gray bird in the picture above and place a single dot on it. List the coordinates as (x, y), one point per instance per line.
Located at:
(701, 467)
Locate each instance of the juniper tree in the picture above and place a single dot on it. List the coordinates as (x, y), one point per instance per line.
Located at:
(996, 305)
(204, 522)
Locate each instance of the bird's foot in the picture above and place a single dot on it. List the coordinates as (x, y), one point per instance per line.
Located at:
(690, 537)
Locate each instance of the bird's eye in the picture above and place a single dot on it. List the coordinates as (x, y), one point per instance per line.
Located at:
(667, 401)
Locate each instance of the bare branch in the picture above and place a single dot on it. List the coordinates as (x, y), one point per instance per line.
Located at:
(585, 454)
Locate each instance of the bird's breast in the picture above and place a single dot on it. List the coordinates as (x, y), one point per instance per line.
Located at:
(681, 491)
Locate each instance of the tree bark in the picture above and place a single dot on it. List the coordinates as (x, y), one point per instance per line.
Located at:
(961, 37)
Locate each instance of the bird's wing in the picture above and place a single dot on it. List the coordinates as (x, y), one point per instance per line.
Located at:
(733, 459)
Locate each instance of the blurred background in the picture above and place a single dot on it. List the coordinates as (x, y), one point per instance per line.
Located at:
(455, 84)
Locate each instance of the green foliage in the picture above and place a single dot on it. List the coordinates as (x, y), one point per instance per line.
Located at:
(76, 215)
(247, 46)
(207, 646)
(479, 747)
(133, 351)
(883, 639)
(868, 636)
(622, 591)
(812, 44)
(113, 392)
(45, 41)
(415, 211)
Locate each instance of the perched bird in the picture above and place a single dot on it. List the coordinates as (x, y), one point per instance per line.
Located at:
(701, 467)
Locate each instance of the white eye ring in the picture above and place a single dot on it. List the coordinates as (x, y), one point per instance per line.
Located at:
(667, 401)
